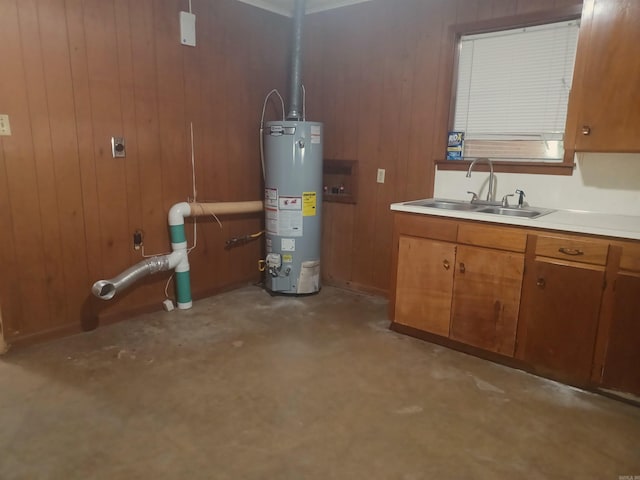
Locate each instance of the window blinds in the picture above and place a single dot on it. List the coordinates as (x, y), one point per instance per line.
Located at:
(513, 85)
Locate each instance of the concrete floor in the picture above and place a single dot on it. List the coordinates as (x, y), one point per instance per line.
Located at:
(246, 386)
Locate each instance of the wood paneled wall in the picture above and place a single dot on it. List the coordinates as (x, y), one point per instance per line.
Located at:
(75, 73)
(378, 75)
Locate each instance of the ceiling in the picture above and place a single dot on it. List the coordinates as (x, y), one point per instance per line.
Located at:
(285, 7)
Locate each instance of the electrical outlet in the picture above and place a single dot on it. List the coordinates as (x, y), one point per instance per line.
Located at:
(381, 173)
(117, 147)
(5, 126)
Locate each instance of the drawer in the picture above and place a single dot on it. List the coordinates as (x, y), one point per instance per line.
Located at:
(502, 238)
(572, 249)
(416, 225)
(630, 259)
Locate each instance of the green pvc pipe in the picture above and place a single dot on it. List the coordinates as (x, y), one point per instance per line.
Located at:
(183, 281)
(183, 287)
(177, 233)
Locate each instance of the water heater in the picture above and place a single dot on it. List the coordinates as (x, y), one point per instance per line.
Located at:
(293, 205)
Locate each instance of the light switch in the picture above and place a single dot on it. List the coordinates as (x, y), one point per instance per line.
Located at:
(5, 126)
(381, 173)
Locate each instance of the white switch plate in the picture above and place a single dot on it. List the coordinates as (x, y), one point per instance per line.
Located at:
(381, 173)
(188, 29)
(5, 126)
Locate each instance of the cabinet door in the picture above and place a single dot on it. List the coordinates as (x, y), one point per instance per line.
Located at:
(559, 317)
(609, 96)
(622, 360)
(486, 298)
(424, 284)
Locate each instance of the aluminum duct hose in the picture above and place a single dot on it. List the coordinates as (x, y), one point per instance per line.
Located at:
(106, 289)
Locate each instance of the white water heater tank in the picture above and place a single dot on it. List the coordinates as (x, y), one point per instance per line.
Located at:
(293, 206)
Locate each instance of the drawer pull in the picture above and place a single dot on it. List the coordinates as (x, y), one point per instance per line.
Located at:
(541, 283)
(446, 264)
(571, 251)
(462, 268)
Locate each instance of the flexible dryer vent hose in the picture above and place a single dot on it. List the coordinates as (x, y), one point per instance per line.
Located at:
(106, 289)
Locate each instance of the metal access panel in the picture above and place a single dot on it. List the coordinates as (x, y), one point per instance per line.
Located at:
(293, 206)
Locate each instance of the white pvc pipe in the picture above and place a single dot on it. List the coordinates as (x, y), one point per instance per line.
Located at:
(178, 212)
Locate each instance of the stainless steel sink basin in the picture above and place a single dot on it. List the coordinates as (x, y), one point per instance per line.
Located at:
(515, 212)
(444, 204)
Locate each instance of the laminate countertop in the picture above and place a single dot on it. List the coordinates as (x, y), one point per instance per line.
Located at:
(610, 225)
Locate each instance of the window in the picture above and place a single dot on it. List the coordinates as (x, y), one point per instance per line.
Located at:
(512, 92)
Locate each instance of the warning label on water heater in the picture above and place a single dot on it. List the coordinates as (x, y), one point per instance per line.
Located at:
(309, 203)
(271, 220)
(283, 214)
(290, 223)
(290, 203)
(271, 197)
(315, 133)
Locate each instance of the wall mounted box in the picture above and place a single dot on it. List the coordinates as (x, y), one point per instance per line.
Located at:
(340, 180)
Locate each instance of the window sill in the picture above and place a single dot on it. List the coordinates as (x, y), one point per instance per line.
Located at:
(510, 167)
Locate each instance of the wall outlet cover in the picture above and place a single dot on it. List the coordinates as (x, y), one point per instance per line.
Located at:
(117, 147)
(5, 126)
(188, 29)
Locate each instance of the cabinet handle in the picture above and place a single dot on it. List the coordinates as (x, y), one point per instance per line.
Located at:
(541, 283)
(586, 130)
(462, 268)
(571, 251)
(446, 265)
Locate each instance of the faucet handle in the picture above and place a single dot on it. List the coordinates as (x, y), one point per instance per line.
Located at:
(474, 196)
(521, 196)
(505, 199)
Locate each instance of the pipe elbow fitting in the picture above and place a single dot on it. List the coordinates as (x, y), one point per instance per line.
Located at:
(178, 212)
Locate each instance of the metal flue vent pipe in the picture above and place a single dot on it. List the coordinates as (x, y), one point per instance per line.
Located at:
(295, 92)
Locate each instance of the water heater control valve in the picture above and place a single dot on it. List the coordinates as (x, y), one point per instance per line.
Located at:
(274, 264)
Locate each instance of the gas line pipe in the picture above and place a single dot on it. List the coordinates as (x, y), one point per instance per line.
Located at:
(178, 259)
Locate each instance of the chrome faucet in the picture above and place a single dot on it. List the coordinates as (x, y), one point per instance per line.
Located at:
(491, 176)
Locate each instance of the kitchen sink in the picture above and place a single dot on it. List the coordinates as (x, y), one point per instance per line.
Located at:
(444, 204)
(515, 212)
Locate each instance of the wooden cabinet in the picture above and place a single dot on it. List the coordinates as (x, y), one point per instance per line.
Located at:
(559, 319)
(618, 356)
(621, 369)
(424, 284)
(562, 305)
(468, 293)
(604, 108)
(486, 298)
(561, 298)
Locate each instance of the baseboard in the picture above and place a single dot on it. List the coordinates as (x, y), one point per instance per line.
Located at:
(109, 318)
(356, 287)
